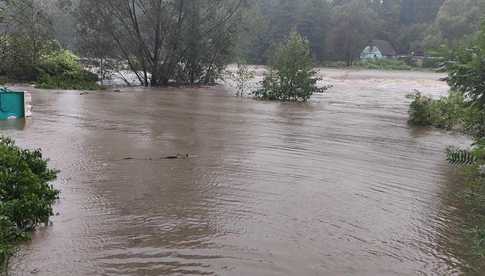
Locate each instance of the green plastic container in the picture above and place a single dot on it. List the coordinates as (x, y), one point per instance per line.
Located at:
(12, 104)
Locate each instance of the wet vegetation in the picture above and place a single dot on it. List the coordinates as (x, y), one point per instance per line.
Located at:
(26, 197)
(384, 64)
(464, 110)
(61, 69)
(30, 53)
(450, 112)
(190, 42)
(291, 76)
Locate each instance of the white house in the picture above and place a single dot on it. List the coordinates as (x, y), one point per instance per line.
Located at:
(378, 49)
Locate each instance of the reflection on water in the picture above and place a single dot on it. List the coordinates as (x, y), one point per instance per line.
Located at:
(19, 124)
(337, 186)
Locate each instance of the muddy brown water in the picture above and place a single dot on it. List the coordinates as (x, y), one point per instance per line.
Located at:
(339, 186)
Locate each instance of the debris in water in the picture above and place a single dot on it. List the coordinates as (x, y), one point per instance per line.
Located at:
(168, 157)
(178, 156)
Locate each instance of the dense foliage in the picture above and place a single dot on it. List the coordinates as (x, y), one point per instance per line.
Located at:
(190, 42)
(163, 42)
(29, 51)
(464, 109)
(447, 112)
(338, 30)
(467, 71)
(467, 74)
(291, 76)
(26, 197)
(61, 69)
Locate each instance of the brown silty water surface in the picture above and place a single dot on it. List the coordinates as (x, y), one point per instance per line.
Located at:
(338, 186)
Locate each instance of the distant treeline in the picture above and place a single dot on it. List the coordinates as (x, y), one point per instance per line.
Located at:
(189, 42)
(339, 29)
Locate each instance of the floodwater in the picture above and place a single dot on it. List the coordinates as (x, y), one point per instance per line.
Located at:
(338, 186)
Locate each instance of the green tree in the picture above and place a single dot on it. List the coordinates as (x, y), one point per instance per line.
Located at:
(313, 24)
(271, 21)
(353, 26)
(163, 41)
(291, 76)
(467, 71)
(27, 36)
(467, 75)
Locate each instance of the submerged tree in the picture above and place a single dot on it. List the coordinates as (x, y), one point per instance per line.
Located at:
(291, 76)
(168, 41)
(242, 77)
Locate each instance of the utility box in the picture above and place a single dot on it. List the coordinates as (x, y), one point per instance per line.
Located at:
(14, 104)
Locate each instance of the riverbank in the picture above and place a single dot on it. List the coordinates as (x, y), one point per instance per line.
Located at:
(454, 113)
(383, 64)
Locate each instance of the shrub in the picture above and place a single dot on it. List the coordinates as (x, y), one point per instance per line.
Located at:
(420, 110)
(26, 198)
(384, 64)
(447, 112)
(291, 76)
(61, 69)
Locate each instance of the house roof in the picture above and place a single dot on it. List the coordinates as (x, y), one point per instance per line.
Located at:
(384, 46)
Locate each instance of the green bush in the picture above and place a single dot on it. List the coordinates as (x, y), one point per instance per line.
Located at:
(383, 64)
(291, 76)
(61, 69)
(447, 112)
(26, 197)
(420, 110)
(466, 109)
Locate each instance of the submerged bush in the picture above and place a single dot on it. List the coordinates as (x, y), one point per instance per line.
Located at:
(291, 76)
(420, 110)
(447, 112)
(61, 69)
(26, 197)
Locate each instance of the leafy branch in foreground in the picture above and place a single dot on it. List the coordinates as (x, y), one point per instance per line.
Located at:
(26, 197)
(460, 157)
